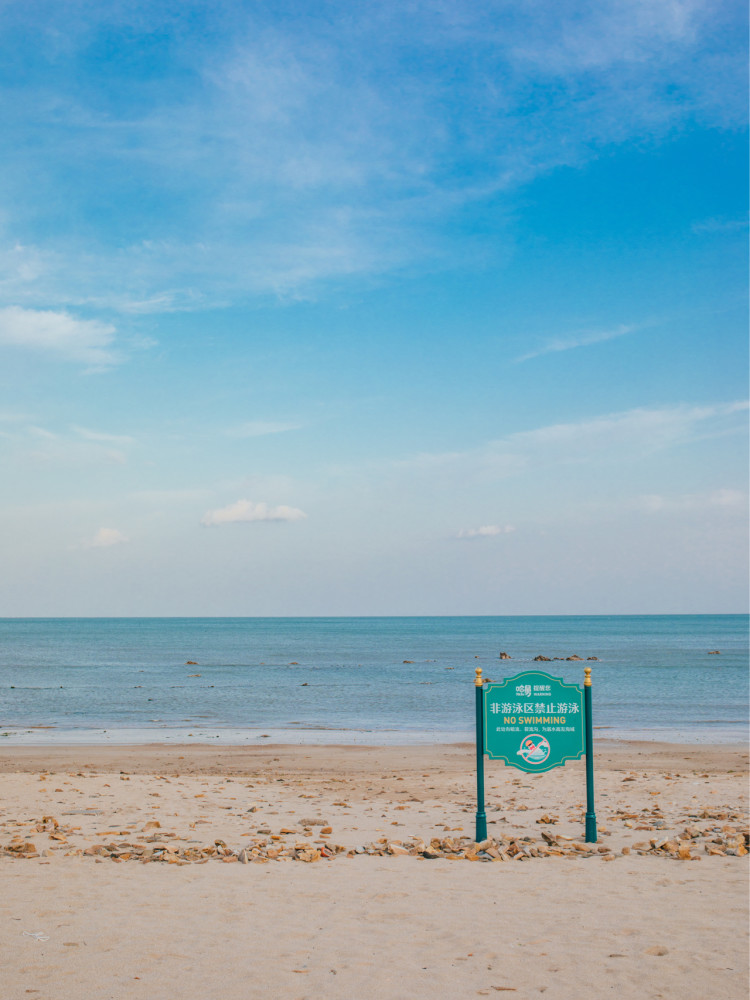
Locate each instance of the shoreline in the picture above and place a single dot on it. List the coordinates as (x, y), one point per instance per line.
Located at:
(51, 736)
(146, 758)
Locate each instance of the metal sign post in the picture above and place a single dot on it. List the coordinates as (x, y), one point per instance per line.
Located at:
(590, 814)
(481, 817)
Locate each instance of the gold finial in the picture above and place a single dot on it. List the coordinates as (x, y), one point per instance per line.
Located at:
(587, 677)
(478, 679)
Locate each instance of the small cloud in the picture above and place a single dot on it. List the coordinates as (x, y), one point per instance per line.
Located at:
(258, 428)
(246, 510)
(84, 340)
(486, 531)
(105, 537)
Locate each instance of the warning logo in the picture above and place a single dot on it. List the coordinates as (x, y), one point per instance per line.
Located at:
(535, 749)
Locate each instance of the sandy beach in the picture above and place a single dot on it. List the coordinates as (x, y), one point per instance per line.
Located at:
(307, 872)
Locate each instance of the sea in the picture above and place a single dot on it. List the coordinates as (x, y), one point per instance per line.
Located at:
(370, 681)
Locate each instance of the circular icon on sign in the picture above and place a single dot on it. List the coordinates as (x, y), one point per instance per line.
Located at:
(535, 749)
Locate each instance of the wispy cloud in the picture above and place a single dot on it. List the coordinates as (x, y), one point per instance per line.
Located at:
(59, 335)
(296, 154)
(71, 453)
(105, 538)
(74, 446)
(13, 417)
(89, 435)
(486, 531)
(712, 505)
(727, 499)
(259, 428)
(720, 226)
(643, 429)
(610, 438)
(246, 510)
(170, 497)
(579, 340)
(609, 34)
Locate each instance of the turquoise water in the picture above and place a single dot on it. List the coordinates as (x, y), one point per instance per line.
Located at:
(320, 679)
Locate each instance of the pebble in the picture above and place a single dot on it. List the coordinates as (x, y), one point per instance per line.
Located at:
(716, 841)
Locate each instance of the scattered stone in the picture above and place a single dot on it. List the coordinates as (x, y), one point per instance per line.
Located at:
(714, 833)
(541, 659)
(504, 656)
(397, 849)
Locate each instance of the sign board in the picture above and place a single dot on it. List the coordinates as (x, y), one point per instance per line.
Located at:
(534, 721)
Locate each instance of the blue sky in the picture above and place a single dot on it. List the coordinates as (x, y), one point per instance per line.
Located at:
(401, 308)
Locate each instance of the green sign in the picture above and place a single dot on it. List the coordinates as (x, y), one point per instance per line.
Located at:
(533, 721)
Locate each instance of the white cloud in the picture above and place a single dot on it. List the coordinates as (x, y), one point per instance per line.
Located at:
(58, 333)
(106, 537)
(259, 428)
(486, 531)
(580, 340)
(246, 510)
